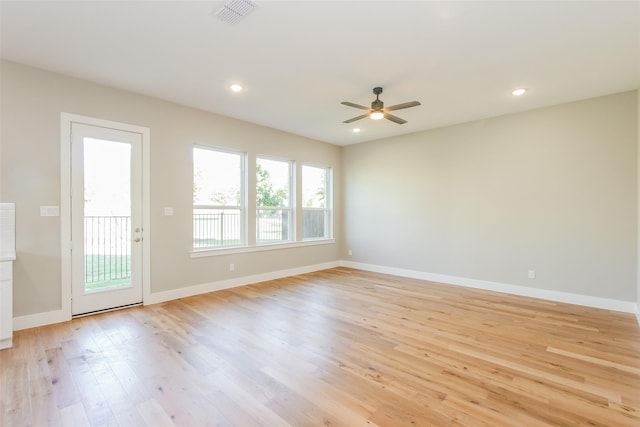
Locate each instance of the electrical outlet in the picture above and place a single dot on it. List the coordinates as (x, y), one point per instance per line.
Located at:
(350, 252)
(232, 267)
(532, 274)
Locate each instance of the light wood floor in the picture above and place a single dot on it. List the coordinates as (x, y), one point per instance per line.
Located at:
(339, 347)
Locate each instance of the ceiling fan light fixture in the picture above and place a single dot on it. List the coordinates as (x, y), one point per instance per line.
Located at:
(376, 115)
(378, 111)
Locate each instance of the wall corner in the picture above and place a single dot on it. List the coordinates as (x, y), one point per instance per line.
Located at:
(638, 209)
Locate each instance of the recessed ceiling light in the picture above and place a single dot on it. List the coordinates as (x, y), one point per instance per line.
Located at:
(356, 130)
(519, 92)
(236, 88)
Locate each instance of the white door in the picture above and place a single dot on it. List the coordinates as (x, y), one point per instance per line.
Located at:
(106, 218)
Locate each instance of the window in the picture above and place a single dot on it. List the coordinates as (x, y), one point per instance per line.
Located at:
(218, 198)
(225, 210)
(273, 201)
(316, 202)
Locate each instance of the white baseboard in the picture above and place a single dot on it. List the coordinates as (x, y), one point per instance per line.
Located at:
(40, 319)
(157, 297)
(557, 296)
(57, 316)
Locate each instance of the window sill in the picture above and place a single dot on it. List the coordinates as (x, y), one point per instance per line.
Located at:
(258, 248)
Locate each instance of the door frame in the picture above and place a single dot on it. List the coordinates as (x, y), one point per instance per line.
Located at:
(66, 121)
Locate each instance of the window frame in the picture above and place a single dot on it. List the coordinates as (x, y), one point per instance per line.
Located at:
(291, 199)
(249, 209)
(328, 209)
(242, 208)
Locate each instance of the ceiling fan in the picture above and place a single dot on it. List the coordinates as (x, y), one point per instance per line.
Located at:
(377, 110)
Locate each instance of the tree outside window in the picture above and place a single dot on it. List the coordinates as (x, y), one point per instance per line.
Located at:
(273, 206)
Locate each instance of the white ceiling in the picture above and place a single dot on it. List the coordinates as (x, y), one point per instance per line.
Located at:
(299, 59)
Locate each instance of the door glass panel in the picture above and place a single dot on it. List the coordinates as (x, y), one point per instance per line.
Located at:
(107, 214)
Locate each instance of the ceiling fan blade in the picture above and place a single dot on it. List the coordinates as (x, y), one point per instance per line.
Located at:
(401, 106)
(351, 104)
(356, 118)
(394, 119)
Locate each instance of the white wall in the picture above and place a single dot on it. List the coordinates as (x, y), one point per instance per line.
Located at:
(552, 190)
(32, 101)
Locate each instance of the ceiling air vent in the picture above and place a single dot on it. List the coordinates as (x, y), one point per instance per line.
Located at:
(234, 10)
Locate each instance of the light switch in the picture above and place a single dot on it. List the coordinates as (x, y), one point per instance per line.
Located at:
(49, 211)
(168, 211)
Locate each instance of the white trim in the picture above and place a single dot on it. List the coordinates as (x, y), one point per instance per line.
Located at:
(40, 319)
(146, 212)
(51, 317)
(557, 296)
(258, 248)
(66, 120)
(203, 288)
(57, 316)
(244, 178)
(65, 215)
(329, 193)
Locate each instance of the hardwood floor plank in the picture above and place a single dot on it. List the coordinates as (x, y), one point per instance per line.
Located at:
(339, 347)
(96, 407)
(326, 397)
(43, 411)
(74, 416)
(131, 418)
(63, 387)
(153, 414)
(249, 395)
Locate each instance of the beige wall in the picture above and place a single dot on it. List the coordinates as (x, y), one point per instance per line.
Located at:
(553, 190)
(32, 101)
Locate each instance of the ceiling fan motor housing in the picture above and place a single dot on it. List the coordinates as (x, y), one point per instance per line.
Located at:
(377, 104)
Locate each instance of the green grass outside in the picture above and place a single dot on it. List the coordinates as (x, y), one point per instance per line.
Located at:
(106, 271)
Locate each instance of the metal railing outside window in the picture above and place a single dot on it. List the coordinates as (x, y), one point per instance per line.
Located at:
(315, 223)
(215, 228)
(272, 225)
(107, 248)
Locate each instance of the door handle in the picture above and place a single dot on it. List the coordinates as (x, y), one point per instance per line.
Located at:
(137, 240)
